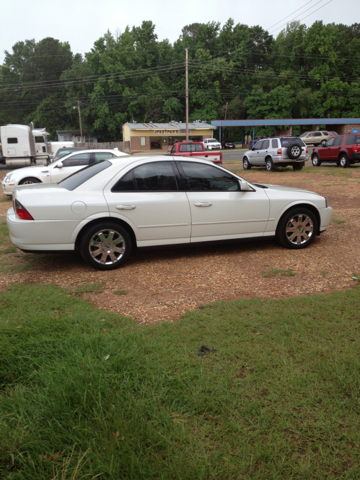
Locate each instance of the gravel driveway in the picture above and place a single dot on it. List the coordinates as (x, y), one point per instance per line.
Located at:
(161, 285)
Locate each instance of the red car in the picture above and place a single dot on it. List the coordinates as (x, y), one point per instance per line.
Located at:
(344, 150)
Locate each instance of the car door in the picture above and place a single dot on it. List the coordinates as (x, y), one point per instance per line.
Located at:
(254, 153)
(149, 199)
(219, 210)
(262, 154)
(69, 166)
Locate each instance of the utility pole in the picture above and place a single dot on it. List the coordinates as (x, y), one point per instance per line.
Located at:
(81, 136)
(187, 92)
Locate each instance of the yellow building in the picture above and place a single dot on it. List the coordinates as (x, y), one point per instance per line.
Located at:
(139, 137)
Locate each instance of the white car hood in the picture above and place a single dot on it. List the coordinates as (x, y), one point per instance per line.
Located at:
(30, 171)
(282, 188)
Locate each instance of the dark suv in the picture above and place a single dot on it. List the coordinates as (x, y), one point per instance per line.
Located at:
(343, 150)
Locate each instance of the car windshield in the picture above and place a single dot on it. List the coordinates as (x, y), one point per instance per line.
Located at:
(212, 140)
(62, 153)
(304, 134)
(81, 176)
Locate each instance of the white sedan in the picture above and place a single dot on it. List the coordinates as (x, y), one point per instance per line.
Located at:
(108, 208)
(57, 170)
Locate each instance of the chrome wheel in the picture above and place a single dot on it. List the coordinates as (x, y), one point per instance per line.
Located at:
(107, 247)
(316, 161)
(269, 165)
(299, 229)
(29, 181)
(246, 164)
(296, 151)
(344, 161)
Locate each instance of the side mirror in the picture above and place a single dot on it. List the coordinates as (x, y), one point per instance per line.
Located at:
(244, 186)
(59, 165)
(253, 149)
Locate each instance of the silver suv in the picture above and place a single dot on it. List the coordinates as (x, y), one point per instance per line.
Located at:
(277, 152)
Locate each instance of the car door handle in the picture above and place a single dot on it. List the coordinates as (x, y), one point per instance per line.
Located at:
(203, 204)
(125, 207)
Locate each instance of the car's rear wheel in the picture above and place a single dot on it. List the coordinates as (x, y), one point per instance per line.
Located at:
(297, 228)
(316, 160)
(29, 181)
(269, 165)
(246, 164)
(106, 246)
(344, 160)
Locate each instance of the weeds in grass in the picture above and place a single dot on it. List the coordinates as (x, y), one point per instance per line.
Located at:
(120, 292)
(282, 388)
(337, 220)
(324, 273)
(97, 287)
(275, 271)
(356, 277)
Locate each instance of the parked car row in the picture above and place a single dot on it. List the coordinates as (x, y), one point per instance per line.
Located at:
(316, 138)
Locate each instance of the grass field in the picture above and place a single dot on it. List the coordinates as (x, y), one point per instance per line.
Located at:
(88, 394)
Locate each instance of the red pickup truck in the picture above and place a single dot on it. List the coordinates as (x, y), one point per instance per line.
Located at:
(195, 149)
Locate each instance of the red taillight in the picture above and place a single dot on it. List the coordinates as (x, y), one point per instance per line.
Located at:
(21, 211)
(279, 152)
(307, 151)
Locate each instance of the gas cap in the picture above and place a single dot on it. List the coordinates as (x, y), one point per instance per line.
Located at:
(78, 207)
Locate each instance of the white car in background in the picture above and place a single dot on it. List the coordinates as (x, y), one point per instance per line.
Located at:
(111, 207)
(212, 144)
(56, 171)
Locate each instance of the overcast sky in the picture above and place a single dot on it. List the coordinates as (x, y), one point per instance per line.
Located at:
(82, 22)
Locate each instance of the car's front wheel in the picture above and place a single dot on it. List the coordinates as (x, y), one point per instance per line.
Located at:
(246, 164)
(29, 181)
(316, 160)
(106, 246)
(297, 228)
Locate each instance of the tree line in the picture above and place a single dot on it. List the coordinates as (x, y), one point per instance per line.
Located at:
(235, 72)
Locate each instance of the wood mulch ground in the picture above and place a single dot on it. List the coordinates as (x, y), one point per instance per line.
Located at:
(162, 285)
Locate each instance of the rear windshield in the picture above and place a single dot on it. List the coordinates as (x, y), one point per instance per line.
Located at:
(81, 176)
(285, 142)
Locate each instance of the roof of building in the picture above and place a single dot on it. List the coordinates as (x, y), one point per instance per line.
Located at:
(197, 125)
(285, 121)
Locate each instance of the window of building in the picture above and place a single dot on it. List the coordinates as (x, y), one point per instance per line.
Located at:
(142, 141)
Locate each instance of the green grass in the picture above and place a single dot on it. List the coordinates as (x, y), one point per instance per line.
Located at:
(275, 271)
(337, 220)
(97, 287)
(324, 273)
(120, 292)
(85, 392)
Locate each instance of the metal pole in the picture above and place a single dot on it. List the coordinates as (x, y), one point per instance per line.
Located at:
(187, 92)
(81, 136)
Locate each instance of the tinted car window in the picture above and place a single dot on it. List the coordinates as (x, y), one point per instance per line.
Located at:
(198, 148)
(173, 150)
(274, 143)
(357, 139)
(317, 134)
(265, 145)
(330, 142)
(183, 148)
(155, 177)
(81, 176)
(206, 177)
(338, 141)
(350, 139)
(325, 133)
(77, 160)
(125, 184)
(258, 145)
(285, 142)
(102, 156)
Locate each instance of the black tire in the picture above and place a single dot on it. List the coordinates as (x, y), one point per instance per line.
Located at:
(297, 167)
(29, 181)
(344, 160)
(269, 165)
(316, 160)
(246, 164)
(294, 150)
(297, 228)
(106, 245)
